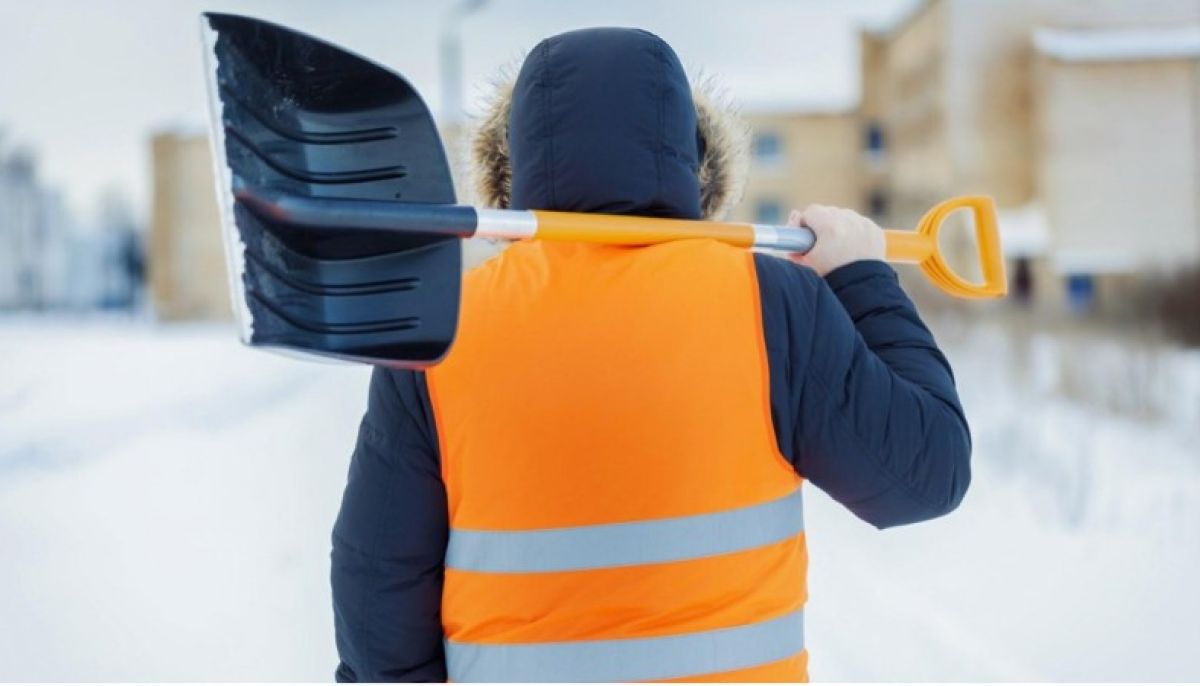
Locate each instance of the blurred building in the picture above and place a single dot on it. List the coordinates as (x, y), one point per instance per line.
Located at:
(186, 259)
(959, 98)
(1118, 119)
(108, 262)
(19, 229)
(798, 158)
(35, 237)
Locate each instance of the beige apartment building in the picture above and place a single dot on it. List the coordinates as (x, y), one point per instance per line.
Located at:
(186, 256)
(1118, 160)
(961, 97)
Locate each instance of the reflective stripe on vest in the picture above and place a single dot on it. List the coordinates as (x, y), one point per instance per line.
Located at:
(630, 659)
(630, 543)
(633, 543)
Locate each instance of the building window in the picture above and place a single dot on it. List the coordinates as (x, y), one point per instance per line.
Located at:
(768, 148)
(874, 138)
(768, 212)
(1081, 293)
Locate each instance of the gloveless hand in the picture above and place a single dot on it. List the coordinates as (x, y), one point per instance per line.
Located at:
(843, 236)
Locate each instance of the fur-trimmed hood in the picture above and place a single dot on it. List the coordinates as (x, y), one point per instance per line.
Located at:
(596, 132)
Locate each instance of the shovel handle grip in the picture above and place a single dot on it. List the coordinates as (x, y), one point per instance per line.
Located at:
(908, 247)
(921, 247)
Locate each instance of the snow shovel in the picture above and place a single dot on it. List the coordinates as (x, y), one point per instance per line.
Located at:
(342, 237)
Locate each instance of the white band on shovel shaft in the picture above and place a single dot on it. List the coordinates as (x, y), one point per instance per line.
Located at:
(513, 224)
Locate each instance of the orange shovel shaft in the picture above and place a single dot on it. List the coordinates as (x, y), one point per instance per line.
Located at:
(620, 230)
(908, 247)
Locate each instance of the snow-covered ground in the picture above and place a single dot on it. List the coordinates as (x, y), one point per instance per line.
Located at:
(166, 498)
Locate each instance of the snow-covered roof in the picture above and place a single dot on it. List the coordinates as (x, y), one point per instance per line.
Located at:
(1119, 45)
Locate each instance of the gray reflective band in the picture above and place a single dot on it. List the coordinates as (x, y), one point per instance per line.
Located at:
(633, 543)
(630, 659)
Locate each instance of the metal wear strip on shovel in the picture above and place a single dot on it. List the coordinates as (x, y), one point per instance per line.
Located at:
(342, 236)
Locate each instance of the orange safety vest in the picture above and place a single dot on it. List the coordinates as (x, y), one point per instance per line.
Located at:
(619, 509)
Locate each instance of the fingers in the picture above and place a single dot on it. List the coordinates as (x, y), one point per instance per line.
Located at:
(820, 218)
(843, 236)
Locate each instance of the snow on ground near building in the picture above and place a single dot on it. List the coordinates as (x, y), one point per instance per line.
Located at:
(166, 498)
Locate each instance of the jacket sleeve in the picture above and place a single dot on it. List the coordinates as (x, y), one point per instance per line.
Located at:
(868, 402)
(389, 541)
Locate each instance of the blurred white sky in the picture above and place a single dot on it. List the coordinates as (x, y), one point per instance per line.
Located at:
(84, 83)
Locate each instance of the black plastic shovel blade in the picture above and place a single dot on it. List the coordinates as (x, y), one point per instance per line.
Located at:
(293, 114)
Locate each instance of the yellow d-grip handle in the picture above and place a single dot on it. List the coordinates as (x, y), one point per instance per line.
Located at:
(920, 247)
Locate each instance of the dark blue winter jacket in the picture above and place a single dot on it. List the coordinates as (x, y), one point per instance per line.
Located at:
(863, 402)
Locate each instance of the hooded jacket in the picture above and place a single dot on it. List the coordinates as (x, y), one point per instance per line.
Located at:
(862, 402)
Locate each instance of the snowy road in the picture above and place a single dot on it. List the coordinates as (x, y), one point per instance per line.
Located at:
(166, 498)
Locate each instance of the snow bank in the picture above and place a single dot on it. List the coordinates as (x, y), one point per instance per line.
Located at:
(1072, 558)
(166, 498)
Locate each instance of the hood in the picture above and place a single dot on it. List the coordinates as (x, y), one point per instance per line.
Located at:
(604, 120)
